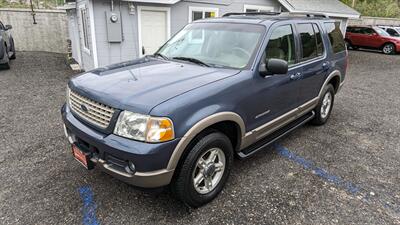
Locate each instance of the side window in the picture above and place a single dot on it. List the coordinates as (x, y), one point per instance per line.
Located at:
(354, 30)
(2, 26)
(281, 45)
(308, 41)
(349, 29)
(320, 44)
(369, 31)
(335, 37)
(392, 32)
(198, 13)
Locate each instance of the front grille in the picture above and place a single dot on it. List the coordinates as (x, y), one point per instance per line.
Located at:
(91, 111)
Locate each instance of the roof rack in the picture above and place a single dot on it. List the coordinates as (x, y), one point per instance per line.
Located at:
(308, 14)
(251, 14)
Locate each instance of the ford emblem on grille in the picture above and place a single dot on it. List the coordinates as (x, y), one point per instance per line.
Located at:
(84, 108)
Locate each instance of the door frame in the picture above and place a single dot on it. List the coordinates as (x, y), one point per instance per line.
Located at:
(139, 21)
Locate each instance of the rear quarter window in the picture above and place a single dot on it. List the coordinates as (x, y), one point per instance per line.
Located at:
(335, 37)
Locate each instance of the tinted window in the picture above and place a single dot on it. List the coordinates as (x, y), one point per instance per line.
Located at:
(308, 41)
(320, 44)
(368, 31)
(356, 30)
(335, 37)
(392, 32)
(281, 45)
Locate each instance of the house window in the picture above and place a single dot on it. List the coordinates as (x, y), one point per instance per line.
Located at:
(258, 8)
(198, 13)
(85, 29)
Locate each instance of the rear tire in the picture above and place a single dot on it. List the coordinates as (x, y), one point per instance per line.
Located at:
(204, 171)
(389, 49)
(348, 44)
(325, 106)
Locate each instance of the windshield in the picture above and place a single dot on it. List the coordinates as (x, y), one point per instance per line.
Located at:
(216, 44)
(382, 32)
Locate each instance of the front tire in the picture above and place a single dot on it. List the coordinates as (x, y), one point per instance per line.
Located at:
(204, 171)
(325, 106)
(389, 49)
(14, 56)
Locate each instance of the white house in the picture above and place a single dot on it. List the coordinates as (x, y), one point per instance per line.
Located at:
(104, 32)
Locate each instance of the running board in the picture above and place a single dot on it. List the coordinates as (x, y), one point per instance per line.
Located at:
(270, 139)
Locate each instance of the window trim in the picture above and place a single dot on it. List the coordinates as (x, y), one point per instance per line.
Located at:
(203, 10)
(258, 8)
(85, 48)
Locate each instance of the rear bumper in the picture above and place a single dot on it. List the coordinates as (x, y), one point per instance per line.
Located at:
(112, 154)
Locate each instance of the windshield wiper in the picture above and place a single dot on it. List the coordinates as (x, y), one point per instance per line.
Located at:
(193, 60)
(160, 55)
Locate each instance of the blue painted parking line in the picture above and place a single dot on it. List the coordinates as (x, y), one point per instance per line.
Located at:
(386, 201)
(89, 206)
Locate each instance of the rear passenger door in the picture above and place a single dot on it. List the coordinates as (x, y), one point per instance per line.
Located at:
(313, 60)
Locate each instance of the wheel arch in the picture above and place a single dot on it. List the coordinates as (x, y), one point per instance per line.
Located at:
(335, 79)
(388, 42)
(229, 123)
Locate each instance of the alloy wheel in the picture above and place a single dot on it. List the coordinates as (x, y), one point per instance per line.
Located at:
(326, 105)
(209, 170)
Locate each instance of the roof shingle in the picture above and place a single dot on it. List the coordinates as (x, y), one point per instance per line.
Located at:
(324, 6)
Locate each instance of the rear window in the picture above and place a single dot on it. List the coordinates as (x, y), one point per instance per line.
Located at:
(335, 37)
(311, 41)
(308, 41)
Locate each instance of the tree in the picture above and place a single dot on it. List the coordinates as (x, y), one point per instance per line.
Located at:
(376, 8)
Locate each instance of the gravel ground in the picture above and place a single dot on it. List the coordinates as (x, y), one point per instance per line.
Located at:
(346, 172)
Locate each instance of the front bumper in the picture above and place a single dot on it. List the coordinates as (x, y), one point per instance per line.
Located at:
(112, 154)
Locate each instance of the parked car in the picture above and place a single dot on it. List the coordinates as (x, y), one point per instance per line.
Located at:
(7, 47)
(392, 31)
(372, 38)
(219, 88)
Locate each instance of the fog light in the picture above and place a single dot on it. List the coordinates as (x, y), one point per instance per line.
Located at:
(130, 168)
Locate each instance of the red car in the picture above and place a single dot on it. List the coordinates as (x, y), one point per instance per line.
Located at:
(373, 38)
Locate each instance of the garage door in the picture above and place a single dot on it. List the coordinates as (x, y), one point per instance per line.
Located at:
(154, 29)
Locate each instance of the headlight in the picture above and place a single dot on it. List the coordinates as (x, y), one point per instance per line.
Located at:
(144, 128)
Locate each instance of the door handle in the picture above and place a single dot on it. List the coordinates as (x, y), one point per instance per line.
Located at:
(143, 50)
(295, 76)
(325, 65)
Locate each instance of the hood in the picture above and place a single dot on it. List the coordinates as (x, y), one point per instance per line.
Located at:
(142, 84)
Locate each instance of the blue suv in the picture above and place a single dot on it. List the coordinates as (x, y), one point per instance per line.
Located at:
(219, 88)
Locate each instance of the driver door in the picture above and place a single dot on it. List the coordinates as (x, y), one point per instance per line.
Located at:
(276, 96)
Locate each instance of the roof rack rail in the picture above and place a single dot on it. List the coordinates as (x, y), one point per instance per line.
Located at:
(251, 14)
(308, 14)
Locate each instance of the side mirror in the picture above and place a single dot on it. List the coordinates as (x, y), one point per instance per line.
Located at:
(274, 67)
(8, 27)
